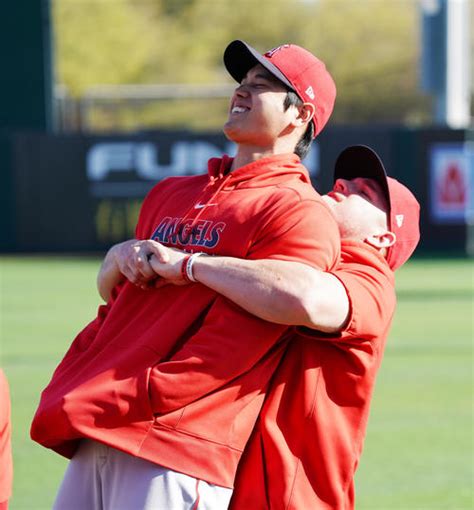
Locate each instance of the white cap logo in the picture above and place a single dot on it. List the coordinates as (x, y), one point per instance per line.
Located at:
(310, 92)
(271, 52)
(399, 219)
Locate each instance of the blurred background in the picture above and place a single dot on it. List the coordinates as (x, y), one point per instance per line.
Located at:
(100, 99)
(103, 98)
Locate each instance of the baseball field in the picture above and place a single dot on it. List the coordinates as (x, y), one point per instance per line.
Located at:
(419, 446)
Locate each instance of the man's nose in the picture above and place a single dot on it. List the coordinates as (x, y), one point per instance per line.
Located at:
(241, 91)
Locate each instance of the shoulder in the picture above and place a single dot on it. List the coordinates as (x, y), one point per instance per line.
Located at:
(176, 183)
(302, 200)
(298, 190)
(363, 261)
(295, 197)
(363, 266)
(179, 181)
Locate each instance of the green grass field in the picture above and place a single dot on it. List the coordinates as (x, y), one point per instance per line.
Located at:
(419, 447)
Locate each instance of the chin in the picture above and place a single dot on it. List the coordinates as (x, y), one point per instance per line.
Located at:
(237, 135)
(231, 132)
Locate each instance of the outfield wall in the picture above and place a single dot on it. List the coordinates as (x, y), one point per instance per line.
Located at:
(83, 193)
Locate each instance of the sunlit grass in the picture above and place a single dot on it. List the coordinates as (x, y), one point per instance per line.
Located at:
(418, 452)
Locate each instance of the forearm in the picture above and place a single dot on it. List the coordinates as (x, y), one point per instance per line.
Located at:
(278, 291)
(109, 275)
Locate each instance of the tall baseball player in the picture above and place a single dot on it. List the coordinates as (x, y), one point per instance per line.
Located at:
(147, 403)
(308, 441)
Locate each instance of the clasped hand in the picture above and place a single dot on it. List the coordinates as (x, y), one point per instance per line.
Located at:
(149, 264)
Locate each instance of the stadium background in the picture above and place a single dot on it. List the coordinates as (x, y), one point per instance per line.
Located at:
(79, 149)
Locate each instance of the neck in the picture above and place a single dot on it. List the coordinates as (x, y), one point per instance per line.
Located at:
(243, 158)
(246, 155)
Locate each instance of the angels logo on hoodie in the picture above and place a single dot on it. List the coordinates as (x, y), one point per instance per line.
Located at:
(179, 232)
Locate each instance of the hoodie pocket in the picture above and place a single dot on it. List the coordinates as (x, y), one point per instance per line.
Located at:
(143, 387)
(113, 393)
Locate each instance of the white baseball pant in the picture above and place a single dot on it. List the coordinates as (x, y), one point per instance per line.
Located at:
(102, 478)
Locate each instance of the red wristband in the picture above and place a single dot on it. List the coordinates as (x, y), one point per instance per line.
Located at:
(184, 272)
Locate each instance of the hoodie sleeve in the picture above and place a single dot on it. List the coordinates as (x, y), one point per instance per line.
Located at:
(370, 287)
(231, 341)
(372, 302)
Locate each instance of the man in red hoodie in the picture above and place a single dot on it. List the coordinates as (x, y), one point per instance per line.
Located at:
(6, 463)
(307, 443)
(148, 402)
(309, 439)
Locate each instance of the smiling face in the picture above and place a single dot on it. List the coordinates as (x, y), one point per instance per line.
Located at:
(360, 209)
(256, 115)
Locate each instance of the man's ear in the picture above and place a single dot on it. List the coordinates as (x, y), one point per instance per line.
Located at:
(382, 240)
(305, 114)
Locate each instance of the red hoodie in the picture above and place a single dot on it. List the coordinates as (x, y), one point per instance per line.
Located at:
(307, 444)
(177, 375)
(6, 463)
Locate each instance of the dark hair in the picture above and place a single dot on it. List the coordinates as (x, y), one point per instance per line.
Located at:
(304, 143)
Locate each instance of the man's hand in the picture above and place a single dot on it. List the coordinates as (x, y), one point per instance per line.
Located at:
(146, 263)
(130, 260)
(149, 263)
(133, 259)
(169, 271)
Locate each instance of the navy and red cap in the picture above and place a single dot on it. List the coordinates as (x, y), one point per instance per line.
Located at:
(404, 209)
(294, 66)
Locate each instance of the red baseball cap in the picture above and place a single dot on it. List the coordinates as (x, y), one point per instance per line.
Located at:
(404, 209)
(296, 67)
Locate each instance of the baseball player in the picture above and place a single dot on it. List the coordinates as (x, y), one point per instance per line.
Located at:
(6, 463)
(308, 441)
(148, 403)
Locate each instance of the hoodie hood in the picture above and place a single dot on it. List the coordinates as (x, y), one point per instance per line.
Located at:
(263, 172)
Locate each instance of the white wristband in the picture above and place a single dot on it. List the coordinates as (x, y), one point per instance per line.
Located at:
(189, 265)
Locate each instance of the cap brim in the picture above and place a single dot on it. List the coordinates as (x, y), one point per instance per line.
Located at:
(361, 161)
(239, 58)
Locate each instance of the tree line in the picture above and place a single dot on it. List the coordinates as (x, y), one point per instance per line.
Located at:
(371, 47)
